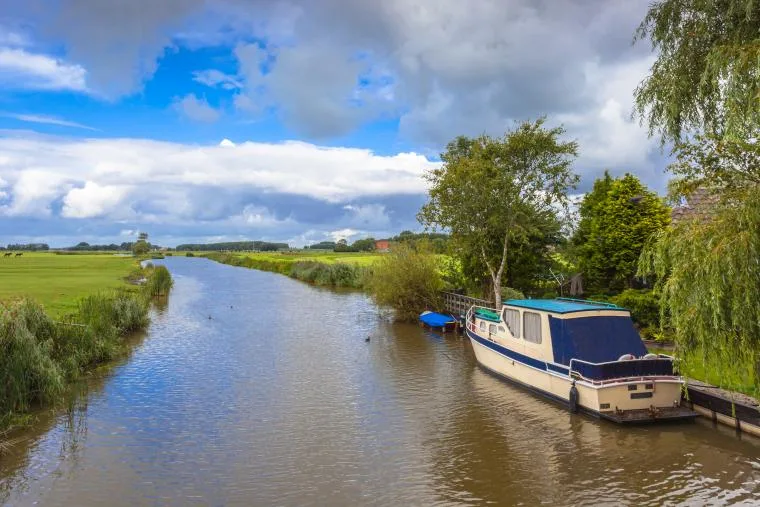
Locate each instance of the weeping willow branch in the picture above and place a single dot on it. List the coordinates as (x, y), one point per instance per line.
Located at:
(708, 273)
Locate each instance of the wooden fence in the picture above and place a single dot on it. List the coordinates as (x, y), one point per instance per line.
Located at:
(458, 304)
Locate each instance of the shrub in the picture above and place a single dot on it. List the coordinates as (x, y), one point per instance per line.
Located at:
(406, 280)
(189, 254)
(159, 282)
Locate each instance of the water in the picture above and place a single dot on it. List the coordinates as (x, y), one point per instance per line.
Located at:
(253, 389)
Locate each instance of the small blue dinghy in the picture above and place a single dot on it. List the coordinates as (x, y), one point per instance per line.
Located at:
(438, 321)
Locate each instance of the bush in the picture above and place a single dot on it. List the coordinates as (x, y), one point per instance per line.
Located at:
(406, 280)
(159, 282)
(189, 254)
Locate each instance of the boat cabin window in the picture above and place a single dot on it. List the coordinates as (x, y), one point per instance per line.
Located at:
(492, 329)
(482, 326)
(532, 327)
(512, 319)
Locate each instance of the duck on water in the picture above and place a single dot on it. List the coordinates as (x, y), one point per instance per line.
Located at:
(584, 354)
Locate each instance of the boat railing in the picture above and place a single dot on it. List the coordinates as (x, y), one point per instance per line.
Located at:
(660, 366)
(470, 321)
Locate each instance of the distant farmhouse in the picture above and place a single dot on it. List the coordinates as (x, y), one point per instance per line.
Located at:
(382, 245)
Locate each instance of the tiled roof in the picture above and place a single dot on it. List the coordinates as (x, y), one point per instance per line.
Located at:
(699, 205)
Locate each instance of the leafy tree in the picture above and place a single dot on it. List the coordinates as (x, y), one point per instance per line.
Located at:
(707, 264)
(143, 236)
(364, 245)
(706, 76)
(487, 187)
(617, 218)
(140, 248)
(408, 280)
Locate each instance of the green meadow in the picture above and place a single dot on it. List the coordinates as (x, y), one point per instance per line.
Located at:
(325, 257)
(59, 281)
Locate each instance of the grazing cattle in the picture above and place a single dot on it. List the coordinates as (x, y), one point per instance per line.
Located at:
(8, 254)
(19, 254)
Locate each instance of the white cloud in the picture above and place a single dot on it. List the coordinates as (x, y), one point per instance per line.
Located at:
(213, 77)
(227, 143)
(20, 69)
(171, 181)
(41, 118)
(93, 200)
(196, 109)
(33, 191)
(346, 234)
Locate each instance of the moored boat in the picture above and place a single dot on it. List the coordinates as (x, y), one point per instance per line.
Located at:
(584, 354)
(438, 321)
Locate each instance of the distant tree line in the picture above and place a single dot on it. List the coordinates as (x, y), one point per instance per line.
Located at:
(29, 247)
(113, 247)
(262, 246)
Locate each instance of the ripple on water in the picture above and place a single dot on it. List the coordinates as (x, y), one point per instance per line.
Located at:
(253, 389)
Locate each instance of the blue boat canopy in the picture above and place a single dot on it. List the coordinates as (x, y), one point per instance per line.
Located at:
(594, 339)
(433, 319)
(561, 305)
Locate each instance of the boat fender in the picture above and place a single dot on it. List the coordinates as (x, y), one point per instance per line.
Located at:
(627, 357)
(573, 398)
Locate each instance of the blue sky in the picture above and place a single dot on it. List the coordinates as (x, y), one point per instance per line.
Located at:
(290, 120)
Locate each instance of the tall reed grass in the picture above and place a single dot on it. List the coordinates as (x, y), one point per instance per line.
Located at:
(39, 355)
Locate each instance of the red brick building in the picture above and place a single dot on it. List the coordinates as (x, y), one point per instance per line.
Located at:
(382, 245)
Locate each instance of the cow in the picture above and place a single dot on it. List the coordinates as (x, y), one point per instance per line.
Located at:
(8, 254)
(19, 254)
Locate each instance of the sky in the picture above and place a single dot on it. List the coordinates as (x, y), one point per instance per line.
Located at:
(293, 120)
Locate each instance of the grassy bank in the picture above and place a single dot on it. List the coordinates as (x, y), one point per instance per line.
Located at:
(58, 281)
(41, 352)
(347, 270)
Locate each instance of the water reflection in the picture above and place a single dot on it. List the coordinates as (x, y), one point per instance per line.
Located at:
(253, 389)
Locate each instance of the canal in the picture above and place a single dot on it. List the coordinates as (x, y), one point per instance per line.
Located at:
(250, 388)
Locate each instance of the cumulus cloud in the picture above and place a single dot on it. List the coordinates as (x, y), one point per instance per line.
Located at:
(256, 187)
(93, 200)
(21, 69)
(196, 109)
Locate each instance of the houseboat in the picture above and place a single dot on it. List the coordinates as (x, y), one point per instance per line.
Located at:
(584, 354)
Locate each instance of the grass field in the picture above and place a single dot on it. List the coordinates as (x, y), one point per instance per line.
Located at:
(326, 257)
(58, 281)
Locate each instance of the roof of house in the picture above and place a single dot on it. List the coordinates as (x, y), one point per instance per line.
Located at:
(700, 204)
(561, 305)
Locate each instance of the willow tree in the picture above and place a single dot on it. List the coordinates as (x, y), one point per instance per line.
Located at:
(708, 263)
(488, 190)
(706, 76)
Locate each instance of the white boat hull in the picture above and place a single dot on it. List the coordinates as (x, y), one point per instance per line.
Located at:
(623, 400)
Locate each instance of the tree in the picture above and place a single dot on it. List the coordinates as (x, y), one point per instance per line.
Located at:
(706, 264)
(143, 236)
(140, 248)
(706, 77)
(364, 245)
(487, 187)
(616, 219)
(407, 279)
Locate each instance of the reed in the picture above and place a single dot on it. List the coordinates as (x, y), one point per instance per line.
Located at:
(39, 355)
(159, 281)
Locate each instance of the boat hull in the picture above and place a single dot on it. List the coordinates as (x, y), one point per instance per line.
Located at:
(616, 402)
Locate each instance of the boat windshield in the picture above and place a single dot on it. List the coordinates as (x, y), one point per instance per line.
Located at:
(597, 339)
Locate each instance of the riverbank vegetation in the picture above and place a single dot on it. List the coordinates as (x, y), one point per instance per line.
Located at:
(318, 268)
(408, 280)
(42, 351)
(702, 95)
